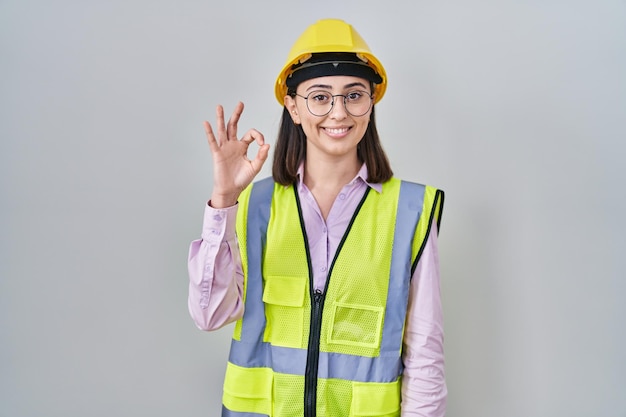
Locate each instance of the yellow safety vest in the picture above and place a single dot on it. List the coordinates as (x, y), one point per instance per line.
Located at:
(335, 353)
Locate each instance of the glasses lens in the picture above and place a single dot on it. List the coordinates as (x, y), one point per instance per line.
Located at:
(358, 102)
(319, 102)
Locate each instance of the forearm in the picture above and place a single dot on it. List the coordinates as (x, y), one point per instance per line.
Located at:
(215, 274)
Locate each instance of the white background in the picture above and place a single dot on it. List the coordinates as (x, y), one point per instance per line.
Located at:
(516, 109)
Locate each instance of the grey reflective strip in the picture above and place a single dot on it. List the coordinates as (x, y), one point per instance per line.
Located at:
(281, 359)
(258, 217)
(252, 352)
(331, 365)
(228, 413)
(410, 204)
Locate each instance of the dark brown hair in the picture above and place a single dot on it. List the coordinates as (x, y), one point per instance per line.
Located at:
(290, 152)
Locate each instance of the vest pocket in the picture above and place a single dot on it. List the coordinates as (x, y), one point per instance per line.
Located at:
(378, 399)
(284, 309)
(248, 390)
(355, 325)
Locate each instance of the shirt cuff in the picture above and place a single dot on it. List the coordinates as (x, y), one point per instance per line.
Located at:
(219, 224)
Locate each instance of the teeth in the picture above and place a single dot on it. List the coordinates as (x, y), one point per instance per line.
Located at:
(337, 131)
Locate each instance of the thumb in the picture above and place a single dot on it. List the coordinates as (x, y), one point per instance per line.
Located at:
(261, 157)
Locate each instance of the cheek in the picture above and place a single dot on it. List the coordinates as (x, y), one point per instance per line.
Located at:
(306, 120)
(307, 127)
(364, 126)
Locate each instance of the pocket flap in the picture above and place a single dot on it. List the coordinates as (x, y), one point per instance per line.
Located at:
(248, 390)
(285, 291)
(375, 399)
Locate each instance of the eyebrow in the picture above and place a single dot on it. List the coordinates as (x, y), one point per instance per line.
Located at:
(330, 87)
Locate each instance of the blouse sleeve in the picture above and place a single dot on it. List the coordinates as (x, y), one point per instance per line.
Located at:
(424, 388)
(215, 272)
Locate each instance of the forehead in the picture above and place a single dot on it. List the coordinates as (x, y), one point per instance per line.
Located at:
(335, 83)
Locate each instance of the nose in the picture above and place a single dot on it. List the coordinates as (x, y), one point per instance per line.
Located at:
(339, 111)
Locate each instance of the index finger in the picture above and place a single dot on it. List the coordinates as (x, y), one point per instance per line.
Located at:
(253, 135)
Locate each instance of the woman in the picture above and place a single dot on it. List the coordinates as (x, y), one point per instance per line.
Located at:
(330, 267)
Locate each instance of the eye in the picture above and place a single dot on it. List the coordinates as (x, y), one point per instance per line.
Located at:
(355, 95)
(320, 97)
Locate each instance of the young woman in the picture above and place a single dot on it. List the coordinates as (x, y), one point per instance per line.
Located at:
(329, 268)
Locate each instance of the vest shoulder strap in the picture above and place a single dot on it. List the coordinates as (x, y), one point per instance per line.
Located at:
(431, 214)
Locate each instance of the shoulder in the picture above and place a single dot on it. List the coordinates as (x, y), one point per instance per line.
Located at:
(426, 198)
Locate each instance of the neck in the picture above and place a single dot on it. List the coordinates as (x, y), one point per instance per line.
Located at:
(330, 173)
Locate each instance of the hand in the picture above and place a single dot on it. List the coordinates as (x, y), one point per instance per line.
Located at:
(232, 170)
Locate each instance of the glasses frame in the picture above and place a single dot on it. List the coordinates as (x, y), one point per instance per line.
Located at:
(332, 103)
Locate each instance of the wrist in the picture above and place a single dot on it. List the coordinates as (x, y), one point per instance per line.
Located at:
(223, 200)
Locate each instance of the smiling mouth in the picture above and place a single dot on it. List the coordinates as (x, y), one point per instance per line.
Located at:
(337, 131)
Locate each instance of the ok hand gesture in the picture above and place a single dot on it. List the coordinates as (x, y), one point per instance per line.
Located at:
(232, 170)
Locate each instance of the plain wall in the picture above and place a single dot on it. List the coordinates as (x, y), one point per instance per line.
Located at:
(516, 109)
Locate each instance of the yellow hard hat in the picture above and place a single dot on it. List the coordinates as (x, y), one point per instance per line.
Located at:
(330, 36)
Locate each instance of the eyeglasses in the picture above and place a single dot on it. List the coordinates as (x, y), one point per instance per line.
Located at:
(320, 103)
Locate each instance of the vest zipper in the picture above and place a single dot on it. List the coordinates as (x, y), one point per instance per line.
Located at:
(310, 383)
(317, 307)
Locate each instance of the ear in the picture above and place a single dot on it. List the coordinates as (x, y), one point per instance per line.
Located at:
(290, 104)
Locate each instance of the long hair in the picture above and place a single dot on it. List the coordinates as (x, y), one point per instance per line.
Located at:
(290, 152)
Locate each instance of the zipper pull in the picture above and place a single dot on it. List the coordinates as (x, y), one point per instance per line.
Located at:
(317, 295)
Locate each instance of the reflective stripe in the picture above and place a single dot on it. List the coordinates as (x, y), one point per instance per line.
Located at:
(331, 365)
(410, 202)
(258, 217)
(228, 413)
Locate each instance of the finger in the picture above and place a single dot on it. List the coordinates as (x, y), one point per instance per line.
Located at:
(210, 137)
(257, 136)
(232, 122)
(221, 128)
(251, 136)
(247, 139)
